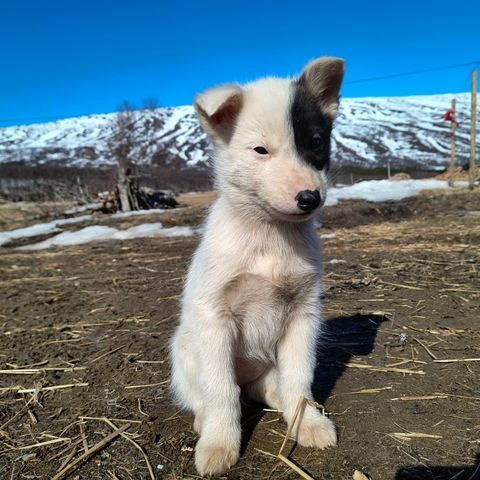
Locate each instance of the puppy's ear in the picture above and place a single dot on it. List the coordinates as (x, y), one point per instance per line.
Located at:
(323, 77)
(218, 109)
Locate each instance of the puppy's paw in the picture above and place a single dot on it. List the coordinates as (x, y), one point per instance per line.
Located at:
(214, 459)
(317, 432)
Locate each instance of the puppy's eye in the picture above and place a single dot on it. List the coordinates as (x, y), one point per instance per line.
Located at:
(317, 142)
(261, 150)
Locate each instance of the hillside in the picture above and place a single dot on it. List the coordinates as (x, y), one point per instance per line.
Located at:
(409, 131)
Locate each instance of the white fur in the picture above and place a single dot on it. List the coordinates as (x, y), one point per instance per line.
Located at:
(250, 308)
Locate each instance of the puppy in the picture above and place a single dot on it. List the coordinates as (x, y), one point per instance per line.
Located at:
(250, 315)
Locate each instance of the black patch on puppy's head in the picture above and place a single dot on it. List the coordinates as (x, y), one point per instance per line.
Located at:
(311, 127)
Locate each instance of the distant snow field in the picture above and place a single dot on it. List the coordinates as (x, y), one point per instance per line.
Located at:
(371, 190)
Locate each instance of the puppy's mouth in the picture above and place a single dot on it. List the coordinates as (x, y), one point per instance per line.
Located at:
(294, 217)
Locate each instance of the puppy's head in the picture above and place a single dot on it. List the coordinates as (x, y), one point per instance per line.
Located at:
(272, 138)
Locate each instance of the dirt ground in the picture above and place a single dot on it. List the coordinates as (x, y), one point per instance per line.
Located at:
(84, 337)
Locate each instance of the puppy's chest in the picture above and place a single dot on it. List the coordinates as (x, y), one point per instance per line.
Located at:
(262, 299)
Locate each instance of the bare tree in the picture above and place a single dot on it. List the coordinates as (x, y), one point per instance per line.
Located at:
(126, 147)
(150, 103)
(122, 145)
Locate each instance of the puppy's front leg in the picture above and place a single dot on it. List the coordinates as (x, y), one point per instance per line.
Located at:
(296, 357)
(220, 433)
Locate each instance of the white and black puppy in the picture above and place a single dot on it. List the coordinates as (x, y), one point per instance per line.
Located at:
(251, 305)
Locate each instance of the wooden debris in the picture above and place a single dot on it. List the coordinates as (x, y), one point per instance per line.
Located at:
(137, 446)
(399, 285)
(150, 361)
(455, 360)
(465, 397)
(434, 396)
(358, 475)
(34, 371)
(302, 402)
(67, 459)
(43, 444)
(32, 416)
(419, 398)
(83, 437)
(25, 407)
(426, 348)
(412, 435)
(294, 467)
(300, 406)
(148, 385)
(403, 362)
(370, 390)
(107, 353)
(385, 369)
(98, 446)
(124, 420)
(263, 452)
(70, 446)
(50, 389)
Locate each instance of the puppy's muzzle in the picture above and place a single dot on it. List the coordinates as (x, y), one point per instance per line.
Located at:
(308, 200)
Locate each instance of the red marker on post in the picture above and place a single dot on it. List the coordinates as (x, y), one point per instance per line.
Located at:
(449, 116)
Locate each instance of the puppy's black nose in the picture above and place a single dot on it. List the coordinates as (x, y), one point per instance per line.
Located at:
(308, 200)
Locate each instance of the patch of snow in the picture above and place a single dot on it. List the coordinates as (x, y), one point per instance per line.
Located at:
(178, 232)
(34, 230)
(39, 229)
(97, 233)
(383, 190)
(85, 235)
(137, 212)
(197, 156)
(83, 208)
(68, 221)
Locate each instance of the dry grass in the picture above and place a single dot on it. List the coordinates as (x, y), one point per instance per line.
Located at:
(13, 215)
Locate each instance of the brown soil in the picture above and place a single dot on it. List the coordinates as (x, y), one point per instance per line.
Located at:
(401, 288)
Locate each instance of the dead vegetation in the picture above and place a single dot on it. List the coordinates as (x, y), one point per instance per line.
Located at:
(84, 370)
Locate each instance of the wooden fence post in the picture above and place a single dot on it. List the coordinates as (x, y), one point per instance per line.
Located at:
(473, 135)
(453, 124)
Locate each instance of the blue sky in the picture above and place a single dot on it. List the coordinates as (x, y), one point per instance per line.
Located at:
(63, 58)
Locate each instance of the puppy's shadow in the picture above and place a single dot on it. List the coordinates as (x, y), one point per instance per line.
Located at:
(423, 472)
(342, 339)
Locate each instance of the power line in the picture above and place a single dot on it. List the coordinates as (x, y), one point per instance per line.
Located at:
(416, 72)
(350, 82)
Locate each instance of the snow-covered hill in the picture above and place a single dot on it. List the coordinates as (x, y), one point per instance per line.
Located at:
(409, 131)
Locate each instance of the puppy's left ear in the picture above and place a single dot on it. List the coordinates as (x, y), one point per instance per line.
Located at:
(323, 78)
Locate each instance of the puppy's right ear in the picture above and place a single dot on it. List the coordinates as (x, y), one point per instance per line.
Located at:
(218, 109)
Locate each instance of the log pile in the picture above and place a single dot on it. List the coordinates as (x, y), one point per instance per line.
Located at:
(144, 199)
